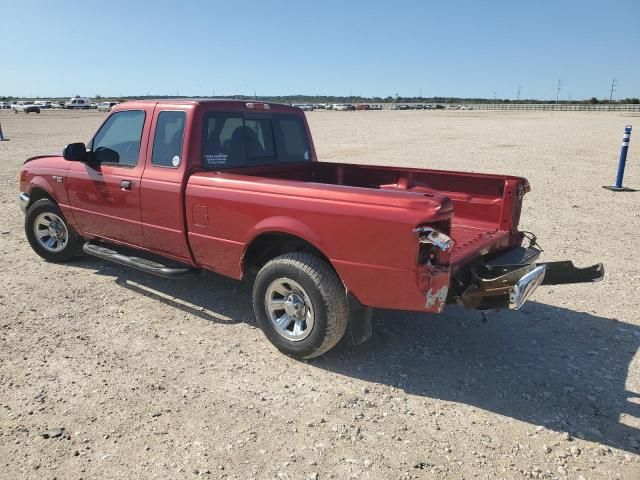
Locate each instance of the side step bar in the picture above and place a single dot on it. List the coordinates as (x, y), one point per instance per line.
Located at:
(137, 262)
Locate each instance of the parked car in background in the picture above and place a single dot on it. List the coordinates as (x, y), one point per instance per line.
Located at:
(363, 106)
(43, 104)
(25, 106)
(56, 105)
(77, 103)
(341, 107)
(106, 106)
(5, 105)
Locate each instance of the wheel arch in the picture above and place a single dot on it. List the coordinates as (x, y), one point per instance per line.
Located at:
(38, 192)
(270, 244)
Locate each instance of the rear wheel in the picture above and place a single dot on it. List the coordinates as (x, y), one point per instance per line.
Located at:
(300, 304)
(48, 232)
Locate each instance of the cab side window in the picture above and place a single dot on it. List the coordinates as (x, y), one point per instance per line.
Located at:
(118, 141)
(168, 139)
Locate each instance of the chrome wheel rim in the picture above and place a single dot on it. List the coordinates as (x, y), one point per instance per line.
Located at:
(289, 309)
(51, 232)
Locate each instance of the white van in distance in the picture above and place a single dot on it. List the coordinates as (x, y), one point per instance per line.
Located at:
(77, 103)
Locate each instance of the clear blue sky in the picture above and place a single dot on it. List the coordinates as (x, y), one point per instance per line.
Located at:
(277, 47)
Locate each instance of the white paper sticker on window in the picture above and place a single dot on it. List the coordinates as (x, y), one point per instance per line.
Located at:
(175, 161)
(216, 159)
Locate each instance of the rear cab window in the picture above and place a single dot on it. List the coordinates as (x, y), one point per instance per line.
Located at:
(233, 140)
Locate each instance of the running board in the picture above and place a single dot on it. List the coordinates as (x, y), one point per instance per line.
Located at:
(138, 263)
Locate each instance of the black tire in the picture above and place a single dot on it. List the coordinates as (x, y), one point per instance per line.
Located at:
(326, 294)
(69, 251)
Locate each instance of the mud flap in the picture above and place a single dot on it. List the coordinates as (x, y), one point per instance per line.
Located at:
(360, 320)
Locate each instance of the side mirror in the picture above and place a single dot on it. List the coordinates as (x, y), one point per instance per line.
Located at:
(75, 152)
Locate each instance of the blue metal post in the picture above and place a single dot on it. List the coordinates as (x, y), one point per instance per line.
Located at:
(622, 162)
(623, 155)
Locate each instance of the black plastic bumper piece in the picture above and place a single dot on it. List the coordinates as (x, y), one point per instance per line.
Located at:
(138, 263)
(560, 273)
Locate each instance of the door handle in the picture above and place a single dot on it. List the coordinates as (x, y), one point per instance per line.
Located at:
(126, 184)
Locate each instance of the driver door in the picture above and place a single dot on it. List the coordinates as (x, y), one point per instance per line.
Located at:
(104, 192)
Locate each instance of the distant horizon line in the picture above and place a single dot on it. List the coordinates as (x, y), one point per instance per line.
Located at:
(335, 98)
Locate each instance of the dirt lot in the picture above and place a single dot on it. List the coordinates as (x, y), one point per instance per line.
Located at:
(157, 379)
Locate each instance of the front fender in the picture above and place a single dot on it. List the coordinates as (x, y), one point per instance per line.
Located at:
(39, 182)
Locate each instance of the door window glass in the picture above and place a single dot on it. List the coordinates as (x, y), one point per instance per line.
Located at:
(167, 142)
(118, 141)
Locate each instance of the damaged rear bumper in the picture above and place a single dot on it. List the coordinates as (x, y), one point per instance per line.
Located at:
(508, 281)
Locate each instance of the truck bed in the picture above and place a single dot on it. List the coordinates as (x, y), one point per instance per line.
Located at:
(486, 208)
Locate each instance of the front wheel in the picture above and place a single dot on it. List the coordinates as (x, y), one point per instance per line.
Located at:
(300, 304)
(48, 232)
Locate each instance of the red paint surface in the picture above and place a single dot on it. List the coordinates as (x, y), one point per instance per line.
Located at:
(360, 217)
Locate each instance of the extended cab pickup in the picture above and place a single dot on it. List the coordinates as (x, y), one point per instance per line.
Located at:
(175, 187)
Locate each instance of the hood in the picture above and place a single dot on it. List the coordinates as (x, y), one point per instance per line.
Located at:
(37, 157)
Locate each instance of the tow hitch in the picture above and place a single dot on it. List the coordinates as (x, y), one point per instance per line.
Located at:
(509, 280)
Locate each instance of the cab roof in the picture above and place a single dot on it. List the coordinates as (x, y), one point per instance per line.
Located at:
(236, 104)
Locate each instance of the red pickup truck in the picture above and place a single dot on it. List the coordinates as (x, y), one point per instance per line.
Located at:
(175, 187)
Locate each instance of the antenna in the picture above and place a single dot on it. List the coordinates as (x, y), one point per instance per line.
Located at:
(558, 91)
(519, 91)
(613, 89)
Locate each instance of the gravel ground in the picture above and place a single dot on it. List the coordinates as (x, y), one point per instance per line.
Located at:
(148, 378)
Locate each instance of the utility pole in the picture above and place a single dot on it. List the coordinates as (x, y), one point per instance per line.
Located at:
(519, 90)
(558, 91)
(613, 89)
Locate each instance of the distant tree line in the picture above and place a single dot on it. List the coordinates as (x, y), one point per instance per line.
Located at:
(305, 99)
